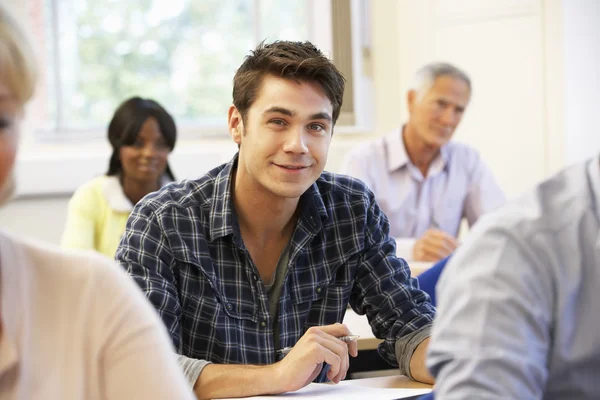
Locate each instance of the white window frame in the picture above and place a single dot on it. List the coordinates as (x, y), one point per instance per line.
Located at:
(58, 168)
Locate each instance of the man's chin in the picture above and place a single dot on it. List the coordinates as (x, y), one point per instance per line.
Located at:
(291, 191)
(437, 141)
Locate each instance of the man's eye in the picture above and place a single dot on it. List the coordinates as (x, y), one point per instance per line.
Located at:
(316, 127)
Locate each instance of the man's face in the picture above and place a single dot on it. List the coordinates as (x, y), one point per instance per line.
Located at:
(436, 115)
(285, 139)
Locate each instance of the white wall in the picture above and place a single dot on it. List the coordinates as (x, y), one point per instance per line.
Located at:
(581, 21)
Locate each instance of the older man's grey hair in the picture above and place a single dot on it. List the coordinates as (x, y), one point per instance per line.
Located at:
(426, 76)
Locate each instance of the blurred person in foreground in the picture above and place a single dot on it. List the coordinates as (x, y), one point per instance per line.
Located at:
(142, 134)
(518, 302)
(72, 324)
(423, 181)
(266, 251)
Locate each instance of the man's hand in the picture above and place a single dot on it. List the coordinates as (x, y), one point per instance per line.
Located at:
(434, 245)
(318, 345)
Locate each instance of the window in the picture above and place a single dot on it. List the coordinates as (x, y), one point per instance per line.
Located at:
(183, 53)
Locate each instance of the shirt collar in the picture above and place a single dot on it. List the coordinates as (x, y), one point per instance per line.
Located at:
(395, 150)
(223, 220)
(115, 196)
(397, 157)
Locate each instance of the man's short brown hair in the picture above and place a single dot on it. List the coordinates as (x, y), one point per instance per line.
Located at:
(300, 61)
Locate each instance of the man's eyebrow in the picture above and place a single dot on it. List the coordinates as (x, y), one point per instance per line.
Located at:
(322, 115)
(279, 110)
(290, 113)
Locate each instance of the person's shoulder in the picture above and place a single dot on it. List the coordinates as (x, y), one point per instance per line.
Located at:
(93, 187)
(69, 269)
(338, 186)
(541, 210)
(369, 150)
(462, 153)
(184, 194)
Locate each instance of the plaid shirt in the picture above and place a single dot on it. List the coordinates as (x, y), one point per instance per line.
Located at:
(183, 247)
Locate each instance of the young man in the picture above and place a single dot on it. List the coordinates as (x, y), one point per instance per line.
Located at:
(518, 303)
(266, 251)
(424, 182)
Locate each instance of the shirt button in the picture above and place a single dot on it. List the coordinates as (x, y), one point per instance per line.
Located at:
(318, 290)
(255, 277)
(229, 306)
(263, 323)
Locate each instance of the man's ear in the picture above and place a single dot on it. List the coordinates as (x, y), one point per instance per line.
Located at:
(236, 125)
(411, 100)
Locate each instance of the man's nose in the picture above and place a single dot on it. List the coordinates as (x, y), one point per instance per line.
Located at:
(296, 141)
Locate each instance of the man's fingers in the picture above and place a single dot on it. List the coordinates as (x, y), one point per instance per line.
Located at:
(435, 251)
(332, 345)
(336, 330)
(353, 348)
(436, 239)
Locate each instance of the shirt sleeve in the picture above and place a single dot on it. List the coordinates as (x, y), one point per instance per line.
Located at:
(80, 226)
(406, 346)
(144, 252)
(191, 367)
(137, 358)
(484, 194)
(385, 292)
(492, 331)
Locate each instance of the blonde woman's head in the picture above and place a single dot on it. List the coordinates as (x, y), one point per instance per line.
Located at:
(17, 84)
(18, 72)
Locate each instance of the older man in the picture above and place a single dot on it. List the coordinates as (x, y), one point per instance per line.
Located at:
(424, 183)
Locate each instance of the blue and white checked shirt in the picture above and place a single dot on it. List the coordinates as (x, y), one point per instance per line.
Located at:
(183, 247)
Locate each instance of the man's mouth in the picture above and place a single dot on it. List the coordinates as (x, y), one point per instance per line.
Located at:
(292, 166)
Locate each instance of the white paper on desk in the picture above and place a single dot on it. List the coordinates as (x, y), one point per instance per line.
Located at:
(344, 392)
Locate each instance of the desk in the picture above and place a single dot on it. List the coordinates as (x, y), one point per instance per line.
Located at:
(359, 325)
(398, 381)
(418, 267)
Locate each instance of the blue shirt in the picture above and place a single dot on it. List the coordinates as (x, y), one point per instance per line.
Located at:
(458, 185)
(183, 246)
(518, 303)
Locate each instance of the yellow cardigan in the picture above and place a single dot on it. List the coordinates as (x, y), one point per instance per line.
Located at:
(97, 216)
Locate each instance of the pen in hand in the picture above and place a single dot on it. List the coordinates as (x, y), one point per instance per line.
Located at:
(347, 339)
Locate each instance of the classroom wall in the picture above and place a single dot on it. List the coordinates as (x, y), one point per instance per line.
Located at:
(582, 82)
(523, 83)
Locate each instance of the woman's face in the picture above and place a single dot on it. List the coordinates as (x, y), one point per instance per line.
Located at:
(146, 159)
(10, 117)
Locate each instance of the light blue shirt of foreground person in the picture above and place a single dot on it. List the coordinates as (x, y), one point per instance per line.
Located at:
(519, 303)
